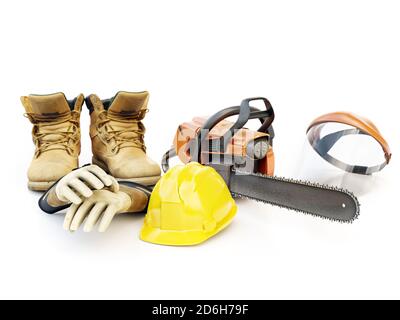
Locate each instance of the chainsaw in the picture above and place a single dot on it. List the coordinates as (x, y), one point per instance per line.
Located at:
(245, 160)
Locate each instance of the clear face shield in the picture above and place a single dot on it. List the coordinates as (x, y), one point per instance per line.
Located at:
(343, 150)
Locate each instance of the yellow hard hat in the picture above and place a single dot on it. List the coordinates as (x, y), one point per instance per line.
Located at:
(189, 204)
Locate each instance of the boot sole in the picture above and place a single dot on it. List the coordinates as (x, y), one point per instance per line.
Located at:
(40, 186)
(147, 181)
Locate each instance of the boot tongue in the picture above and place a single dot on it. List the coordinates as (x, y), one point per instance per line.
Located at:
(129, 102)
(49, 105)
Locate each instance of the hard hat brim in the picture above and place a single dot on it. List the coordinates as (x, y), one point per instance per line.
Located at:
(184, 238)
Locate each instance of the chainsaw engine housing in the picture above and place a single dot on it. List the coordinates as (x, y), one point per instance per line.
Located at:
(247, 149)
(215, 140)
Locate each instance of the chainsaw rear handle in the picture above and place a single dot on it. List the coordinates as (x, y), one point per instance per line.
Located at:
(245, 112)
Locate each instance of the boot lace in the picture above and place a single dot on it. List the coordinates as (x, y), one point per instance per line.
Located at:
(124, 131)
(60, 133)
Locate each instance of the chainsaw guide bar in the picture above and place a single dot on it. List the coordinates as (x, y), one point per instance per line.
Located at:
(322, 201)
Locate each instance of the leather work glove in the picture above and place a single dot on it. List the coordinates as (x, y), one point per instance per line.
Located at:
(102, 205)
(78, 184)
(91, 194)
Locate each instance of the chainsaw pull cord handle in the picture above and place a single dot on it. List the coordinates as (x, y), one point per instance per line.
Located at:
(245, 111)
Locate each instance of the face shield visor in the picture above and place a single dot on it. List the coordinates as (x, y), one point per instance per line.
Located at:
(344, 150)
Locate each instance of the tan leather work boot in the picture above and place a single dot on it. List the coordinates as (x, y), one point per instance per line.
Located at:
(117, 134)
(56, 135)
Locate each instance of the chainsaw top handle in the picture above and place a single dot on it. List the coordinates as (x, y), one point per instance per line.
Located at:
(246, 113)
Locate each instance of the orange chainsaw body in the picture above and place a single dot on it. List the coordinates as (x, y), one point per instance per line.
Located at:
(237, 146)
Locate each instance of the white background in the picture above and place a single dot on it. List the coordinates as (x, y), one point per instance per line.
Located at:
(307, 57)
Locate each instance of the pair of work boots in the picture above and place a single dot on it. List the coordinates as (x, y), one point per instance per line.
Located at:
(116, 130)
